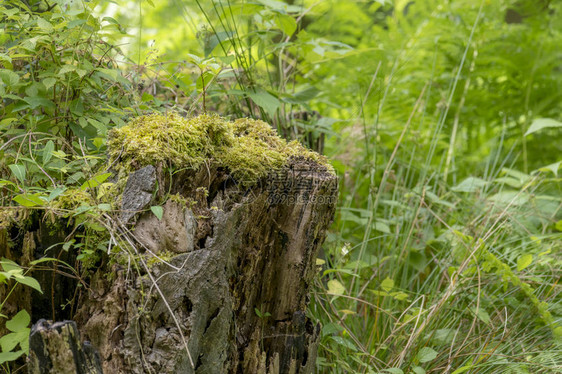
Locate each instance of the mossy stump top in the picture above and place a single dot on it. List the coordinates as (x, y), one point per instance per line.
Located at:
(249, 149)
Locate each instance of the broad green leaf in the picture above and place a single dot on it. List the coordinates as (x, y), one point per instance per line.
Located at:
(19, 321)
(6, 183)
(66, 68)
(10, 356)
(524, 261)
(146, 97)
(274, 4)
(56, 193)
(44, 25)
(11, 340)
(158, 211)
(387, 284)
(18, 171)
(510, 197)
(344, 342)
(482, 315)
(9, 265)
(470, 184)
(9, 77)
(426, 354)
(335, 287)
(286, 23)
(95, 181)
(48, 151)
(382, 227)
(49, 82)
(331, 328)
(542, 123)
(31, 282)
(265, 100)
(28, 200)
(400, 296)
(418, 370)
(552, 167)
(104, 207)
(36, 102)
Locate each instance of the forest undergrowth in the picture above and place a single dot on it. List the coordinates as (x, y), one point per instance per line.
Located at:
(441, 118)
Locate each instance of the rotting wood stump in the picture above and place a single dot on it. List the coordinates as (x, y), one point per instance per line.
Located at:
(225, 271)
(232, 254)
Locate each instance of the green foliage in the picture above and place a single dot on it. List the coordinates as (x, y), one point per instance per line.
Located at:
(18, 336)
(61, 92)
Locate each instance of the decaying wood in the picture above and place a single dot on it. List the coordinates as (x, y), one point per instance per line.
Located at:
(234, 267)
(55, 348)
(251, 250)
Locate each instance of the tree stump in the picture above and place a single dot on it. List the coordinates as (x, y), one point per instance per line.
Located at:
(237, 277)
(203, 272)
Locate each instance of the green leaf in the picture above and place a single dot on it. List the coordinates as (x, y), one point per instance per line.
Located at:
(95, 181)
(426, 354)
(44, 25)
(49, 82)
(335, 287)
(542, 123)
(67, 68)
(11, 340)
(18, 171)
(9, 265)
(418, 370)
(31, 282)
(552, 167)
(470, 184)
(146, 97)
(158, 211)
(10, 356)
(382, 227)
(56, 193)
(36, 102)
(482, 315)
(104, 207)
(48, 151)
(9, 77)
(19, 321)
(524, 261)
(387, 284)
(393, 371)
(462, 369)
(344, 342)
(265, 100)
(28, 200)
(286, 23)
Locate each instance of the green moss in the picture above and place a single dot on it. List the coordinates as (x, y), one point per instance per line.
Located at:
(8, 217)
(249, 149)
(72, 199)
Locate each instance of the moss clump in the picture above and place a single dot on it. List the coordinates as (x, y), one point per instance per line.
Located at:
(8, 216)
(250, 149)
(72, 199)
